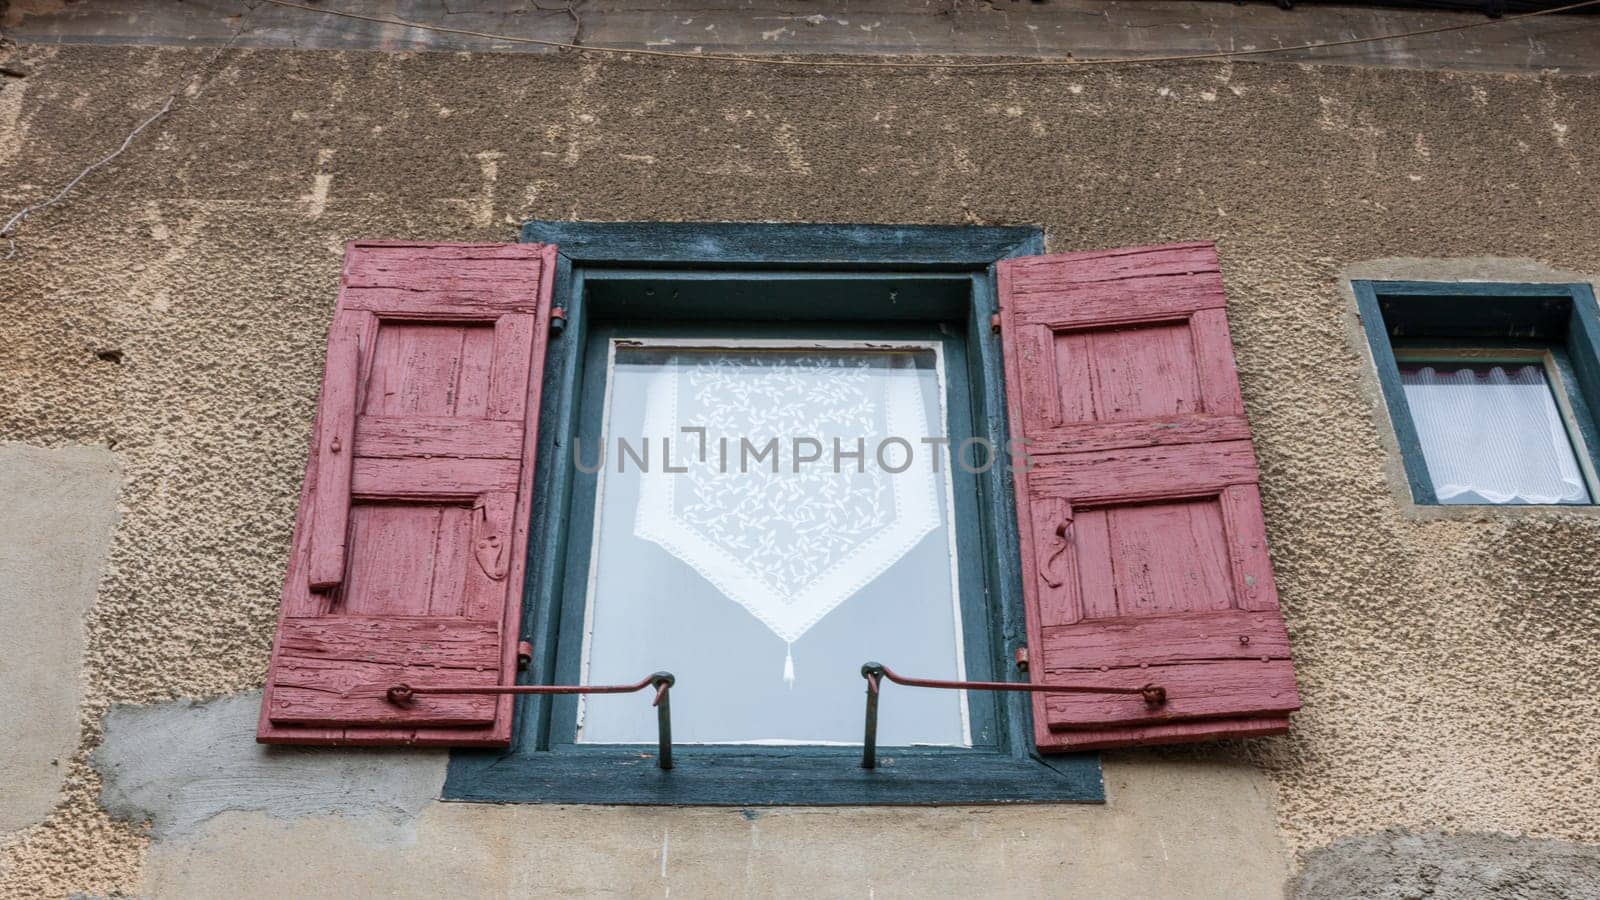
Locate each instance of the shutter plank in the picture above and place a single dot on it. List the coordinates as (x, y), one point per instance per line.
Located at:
(1163, 298)
(1206, 689)
(424, 477)
(1220, 383)
(1120, 378)
(402, 437)
(1198, 429)
(1168, 733)
(508, 378)
(1054, 561)
(505, 269)
(1130, 642)
(333, 670)
(425, 305)
(1096, 578)
(1152, 472)
(1241, 509)
(1035, 273)
(335, 453)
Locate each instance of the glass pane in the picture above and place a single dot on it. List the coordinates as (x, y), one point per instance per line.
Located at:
(1491, 433)
(754, 556)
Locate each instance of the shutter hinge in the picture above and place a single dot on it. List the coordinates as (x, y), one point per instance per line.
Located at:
(1022, 658)
(558, 321)
(994, 322)
(524, 656)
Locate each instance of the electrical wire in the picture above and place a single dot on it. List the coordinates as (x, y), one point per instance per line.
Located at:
(9, 230)
(927, 64)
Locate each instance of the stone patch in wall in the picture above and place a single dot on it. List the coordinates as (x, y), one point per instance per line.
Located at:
(1439, 866)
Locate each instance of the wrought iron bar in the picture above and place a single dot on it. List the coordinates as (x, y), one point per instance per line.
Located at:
(404, 694)
(875, 672)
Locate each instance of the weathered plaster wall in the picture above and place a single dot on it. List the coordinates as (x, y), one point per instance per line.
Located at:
(55, 527)
(373, 819)
(1057, 29)
(1448, 667)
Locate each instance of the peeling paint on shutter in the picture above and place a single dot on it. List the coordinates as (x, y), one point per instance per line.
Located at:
(1144, 552)
(408, 553)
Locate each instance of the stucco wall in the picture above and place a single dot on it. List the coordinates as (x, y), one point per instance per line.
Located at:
(1447, 667)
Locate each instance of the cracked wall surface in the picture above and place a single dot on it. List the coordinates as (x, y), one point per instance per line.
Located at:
(1446, 665)
(1057, 29)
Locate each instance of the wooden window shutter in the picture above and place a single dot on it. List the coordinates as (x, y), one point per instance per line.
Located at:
(1144, 554)
(408, 552)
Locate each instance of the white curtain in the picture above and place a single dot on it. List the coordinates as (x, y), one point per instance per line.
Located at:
(789, 546)
(1492, 434)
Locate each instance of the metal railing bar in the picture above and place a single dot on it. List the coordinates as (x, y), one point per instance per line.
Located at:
(403, 694)
(876, 672)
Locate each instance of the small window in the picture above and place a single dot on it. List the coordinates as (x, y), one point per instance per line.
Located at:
(1490, 388)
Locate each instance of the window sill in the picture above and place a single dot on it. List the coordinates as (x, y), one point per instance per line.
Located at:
(777, 776)
(1487, 512)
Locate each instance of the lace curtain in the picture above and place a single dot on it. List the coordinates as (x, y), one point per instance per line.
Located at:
(1491, 433)
(789, 546)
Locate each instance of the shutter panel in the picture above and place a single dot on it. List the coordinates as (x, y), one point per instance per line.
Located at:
(409, 547)
(1144, 554)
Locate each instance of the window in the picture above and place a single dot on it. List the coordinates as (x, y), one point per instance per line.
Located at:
(765, 591)
(763, 456)
(1490, 388)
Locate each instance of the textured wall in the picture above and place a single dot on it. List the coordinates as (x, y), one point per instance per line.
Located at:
(1447, 667)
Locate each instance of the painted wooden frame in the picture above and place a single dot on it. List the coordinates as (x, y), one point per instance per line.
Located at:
(979, 619)
(885, 274)
(1495, 317)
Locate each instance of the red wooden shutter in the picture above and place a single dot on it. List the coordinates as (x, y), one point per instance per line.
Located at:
(409, 546)
(1144, 555)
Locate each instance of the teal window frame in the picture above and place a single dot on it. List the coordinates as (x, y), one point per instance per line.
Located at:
(897, 282)
(1557, 324)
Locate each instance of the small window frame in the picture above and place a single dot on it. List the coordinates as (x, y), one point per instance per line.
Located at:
(623, 272)
(1557, 325)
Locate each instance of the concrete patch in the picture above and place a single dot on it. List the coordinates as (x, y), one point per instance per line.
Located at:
(1176, 825)
(1399, 864)
(179, 764)
(59, 509)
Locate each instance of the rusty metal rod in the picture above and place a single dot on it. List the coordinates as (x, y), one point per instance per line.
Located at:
(869, 742)
(403, 694)
(875, 672)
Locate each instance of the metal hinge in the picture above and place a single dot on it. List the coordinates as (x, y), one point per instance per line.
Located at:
(1022, 658)
(558, 321)
(994, 322)
(524, 656)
